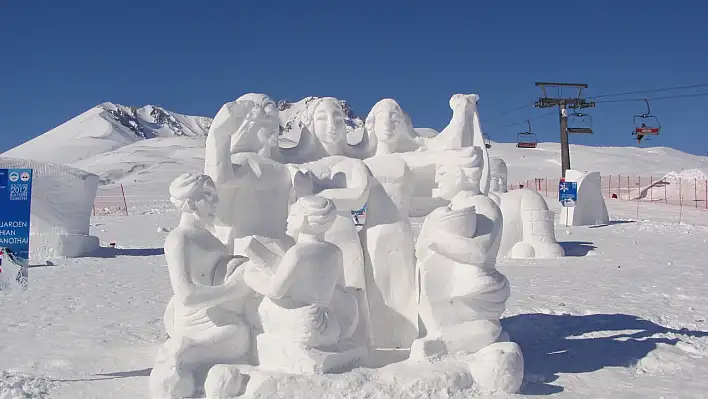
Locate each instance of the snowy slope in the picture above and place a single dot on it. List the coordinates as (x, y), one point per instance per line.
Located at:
(624, 316)
(165, 158)
(107, 127)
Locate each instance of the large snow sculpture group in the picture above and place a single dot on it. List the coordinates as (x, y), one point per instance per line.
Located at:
(286, 284)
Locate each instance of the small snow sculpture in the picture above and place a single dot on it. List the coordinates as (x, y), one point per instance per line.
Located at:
(309, 319)
(590, 208)
(529, 230)
(462, 295)
(203, 319)
(390, 129)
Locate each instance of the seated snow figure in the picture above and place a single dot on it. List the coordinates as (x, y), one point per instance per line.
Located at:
(529, 230)
(203, 319)
(590, 208)
(309, 319)
(347, 183)
(462, 295)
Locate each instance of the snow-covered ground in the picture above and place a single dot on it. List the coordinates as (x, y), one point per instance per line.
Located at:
(624, 316)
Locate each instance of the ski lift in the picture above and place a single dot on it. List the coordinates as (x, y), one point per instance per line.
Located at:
(646, 124)
(487, 140)
(579, 122)
(526, 139)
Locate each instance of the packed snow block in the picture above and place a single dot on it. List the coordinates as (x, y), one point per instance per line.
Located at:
(62, 202)
(590, 208)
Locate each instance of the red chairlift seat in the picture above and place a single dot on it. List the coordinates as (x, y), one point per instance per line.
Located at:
(526, 145)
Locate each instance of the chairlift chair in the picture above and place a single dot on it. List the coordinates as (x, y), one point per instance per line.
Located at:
(579, 122)
(526, 139)
(646, 124)
(487, 140)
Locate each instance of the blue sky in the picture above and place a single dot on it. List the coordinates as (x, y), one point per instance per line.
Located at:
(60, 58)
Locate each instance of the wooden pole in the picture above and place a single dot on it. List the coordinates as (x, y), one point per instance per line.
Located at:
(125, 203)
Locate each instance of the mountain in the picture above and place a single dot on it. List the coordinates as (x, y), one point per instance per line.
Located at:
(108, 127)
(105, 128)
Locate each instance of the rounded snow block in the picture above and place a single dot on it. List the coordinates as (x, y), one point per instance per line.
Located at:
(523, 250)
(43, 246)
(167, 381)
(223, 381)
(498, 367)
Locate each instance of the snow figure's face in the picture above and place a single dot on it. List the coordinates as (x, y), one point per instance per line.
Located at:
(329, 123)
(206, 203)
(267, 121)
(389, 124)
(449, 182)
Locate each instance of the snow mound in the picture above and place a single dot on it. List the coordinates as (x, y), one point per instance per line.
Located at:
(62, 202)
(687, 174)
(23, 386)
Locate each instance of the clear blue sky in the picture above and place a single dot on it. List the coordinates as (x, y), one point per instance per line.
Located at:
(60, 58)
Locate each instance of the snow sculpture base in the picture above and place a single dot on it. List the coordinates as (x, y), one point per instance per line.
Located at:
(539, 237)
(43, 246)
(590, 208)
(498, 367)
(278, 355)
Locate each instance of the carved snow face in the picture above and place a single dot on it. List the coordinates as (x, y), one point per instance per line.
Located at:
(329, 123)
(206, 203)
(449, 182)
(267, 121)
(390, 123)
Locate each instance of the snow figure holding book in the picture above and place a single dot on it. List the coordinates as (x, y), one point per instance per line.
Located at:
(310, 321)
(204, 317)
(462, 295)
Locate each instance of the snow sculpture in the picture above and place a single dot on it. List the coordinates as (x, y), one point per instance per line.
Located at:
(309, 318)
(462, 295)
(253, 189)
(204, 318)
(62, 203)
(387, 239)
(390, 129)
(590, 208)
(529, 230)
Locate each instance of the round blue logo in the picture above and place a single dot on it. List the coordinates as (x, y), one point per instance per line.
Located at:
(14, 176)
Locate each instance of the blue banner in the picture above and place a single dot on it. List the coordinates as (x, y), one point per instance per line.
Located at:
(15, 200)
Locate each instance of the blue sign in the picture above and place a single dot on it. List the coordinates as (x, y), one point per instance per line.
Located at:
(15, 199)
(568, 193)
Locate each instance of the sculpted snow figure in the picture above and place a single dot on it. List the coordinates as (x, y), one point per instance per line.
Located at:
(462, 295)
(204, 318)
(253, 189)
(387, 236)
(309, 318)
(528, 224)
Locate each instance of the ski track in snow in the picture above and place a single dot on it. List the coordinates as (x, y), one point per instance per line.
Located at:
(624, 316)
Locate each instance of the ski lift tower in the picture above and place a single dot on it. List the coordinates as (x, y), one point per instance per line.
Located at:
(563, 103)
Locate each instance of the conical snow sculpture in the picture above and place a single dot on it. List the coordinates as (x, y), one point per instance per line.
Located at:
(529, 227)
(462, 295)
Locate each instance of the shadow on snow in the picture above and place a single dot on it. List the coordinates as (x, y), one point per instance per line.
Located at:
(551, 345)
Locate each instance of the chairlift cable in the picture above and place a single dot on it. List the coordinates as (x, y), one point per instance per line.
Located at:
(650, 91)
(532, 119)
(652, 98)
